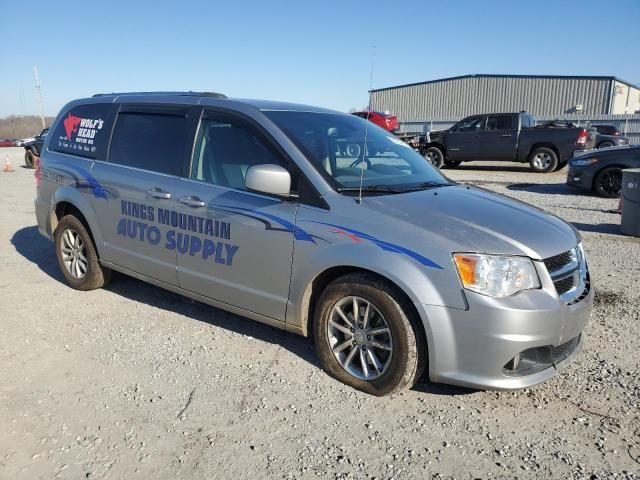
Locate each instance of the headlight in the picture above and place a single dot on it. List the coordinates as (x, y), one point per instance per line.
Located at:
(583, 162)
(494, 275)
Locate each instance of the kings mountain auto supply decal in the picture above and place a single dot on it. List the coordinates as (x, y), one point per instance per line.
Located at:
(80, 133)
(202, 245)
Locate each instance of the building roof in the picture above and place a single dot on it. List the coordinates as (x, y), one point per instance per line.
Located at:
(490, 75)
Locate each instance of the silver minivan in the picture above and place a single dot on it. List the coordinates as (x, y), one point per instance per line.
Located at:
(319, 223)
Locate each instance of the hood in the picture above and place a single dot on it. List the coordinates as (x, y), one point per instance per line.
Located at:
(615, 148)
(471, 219)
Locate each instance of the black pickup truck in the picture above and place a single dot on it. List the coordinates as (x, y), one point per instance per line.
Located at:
(511, 137)
(33, 147)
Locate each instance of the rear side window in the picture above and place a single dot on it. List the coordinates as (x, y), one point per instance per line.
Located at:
(84, 131)
(150, 141)
(499, 122)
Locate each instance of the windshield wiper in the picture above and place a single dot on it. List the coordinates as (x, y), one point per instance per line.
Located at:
(426, 186)
(370, 189)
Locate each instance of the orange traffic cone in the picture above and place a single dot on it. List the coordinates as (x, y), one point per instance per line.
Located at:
(7, 165)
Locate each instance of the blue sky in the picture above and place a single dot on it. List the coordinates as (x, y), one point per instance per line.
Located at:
(309, 52)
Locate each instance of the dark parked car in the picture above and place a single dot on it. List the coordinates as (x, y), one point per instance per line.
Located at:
(385, 120)
(33, 148)
(601, 170)
(609, 136)
(607, 130)
(508, 137)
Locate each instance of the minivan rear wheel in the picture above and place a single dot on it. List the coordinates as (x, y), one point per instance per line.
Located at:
(77, 257)
(367, 337)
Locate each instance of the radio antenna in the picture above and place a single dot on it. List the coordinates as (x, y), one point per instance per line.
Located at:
(366, 127)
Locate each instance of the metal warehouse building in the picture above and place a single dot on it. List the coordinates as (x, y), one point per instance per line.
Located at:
(541, 95)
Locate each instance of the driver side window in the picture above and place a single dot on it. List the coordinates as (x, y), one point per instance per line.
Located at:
(471, 124)
(226, 148)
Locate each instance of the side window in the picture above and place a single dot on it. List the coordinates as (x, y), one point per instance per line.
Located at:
(225, 149)
(499, 122)
(83, 130)
(471, 124)
(151, 141)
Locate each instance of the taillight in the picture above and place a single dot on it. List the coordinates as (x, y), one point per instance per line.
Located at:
(583, 136)
(36, 163)
(617, 134)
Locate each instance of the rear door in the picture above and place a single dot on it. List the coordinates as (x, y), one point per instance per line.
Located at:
(499, 139)
(139, 181)
(234, 246)
(462, 139)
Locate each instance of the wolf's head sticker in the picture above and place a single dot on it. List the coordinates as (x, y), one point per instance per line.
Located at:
(71, 125)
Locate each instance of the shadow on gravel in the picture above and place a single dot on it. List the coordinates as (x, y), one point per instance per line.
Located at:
(34, 247)
(610, 228)
(550, 188)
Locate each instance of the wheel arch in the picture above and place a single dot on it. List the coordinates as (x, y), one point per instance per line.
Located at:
(548, 145)
(71, 202)
(317, 285)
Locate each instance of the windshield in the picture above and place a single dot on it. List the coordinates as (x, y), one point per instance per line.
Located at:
(334, 144)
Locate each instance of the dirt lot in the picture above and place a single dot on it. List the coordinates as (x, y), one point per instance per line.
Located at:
(135, 382)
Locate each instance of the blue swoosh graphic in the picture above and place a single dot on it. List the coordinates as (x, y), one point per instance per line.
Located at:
(298, 233)
(390, 247)
(92, 183)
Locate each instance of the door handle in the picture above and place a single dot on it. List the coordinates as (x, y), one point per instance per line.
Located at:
(191, 201)
(506, 135)
(158, 193)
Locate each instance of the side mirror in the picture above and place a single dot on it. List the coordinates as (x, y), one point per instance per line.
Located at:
(269, 178)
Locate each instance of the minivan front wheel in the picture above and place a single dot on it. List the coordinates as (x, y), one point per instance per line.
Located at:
(77, 257)
(366, 338)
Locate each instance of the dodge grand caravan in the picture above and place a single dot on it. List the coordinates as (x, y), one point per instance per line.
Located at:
(269, 210)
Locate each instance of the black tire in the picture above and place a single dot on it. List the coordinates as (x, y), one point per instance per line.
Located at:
(605, 144)
(29, 159)
(407, 359)
(95, 276)
(452, 163)
(434, 155)
(608, 182)
(543, 160)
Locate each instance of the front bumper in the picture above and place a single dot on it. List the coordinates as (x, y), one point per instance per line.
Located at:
(472, 347)
(579, 177)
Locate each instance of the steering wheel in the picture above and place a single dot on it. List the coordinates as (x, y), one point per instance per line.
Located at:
(359, 160)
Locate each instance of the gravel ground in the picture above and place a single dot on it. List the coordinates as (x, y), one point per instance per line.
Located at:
(134, 382)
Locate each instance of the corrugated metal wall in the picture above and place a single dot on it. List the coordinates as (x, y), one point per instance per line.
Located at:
(625, 123)
(460, 97)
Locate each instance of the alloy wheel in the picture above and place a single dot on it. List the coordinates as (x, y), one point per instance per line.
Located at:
(74, 254)
(360, 338)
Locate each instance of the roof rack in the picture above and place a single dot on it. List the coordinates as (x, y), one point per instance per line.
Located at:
(180, 94)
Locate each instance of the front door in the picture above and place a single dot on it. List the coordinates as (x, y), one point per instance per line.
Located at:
(462, 139)
(233, 245)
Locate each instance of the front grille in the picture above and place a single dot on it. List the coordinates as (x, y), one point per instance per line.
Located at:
(569, 274)
(564, 285)
(558, 261)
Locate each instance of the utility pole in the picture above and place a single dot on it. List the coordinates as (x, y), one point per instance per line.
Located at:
(35, 69)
